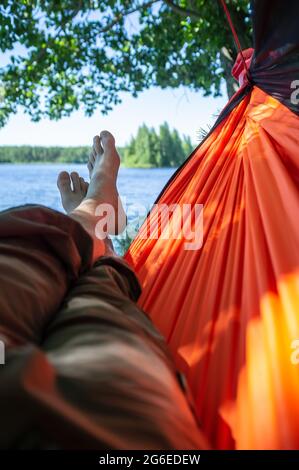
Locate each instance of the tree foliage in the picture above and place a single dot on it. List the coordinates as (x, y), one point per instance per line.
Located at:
(37, 154)
(151, 149)
(148, 149)
(67, 54)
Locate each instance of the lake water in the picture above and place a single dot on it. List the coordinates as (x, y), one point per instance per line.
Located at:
(36, 183)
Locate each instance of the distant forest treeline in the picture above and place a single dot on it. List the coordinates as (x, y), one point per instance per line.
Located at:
(165, 148)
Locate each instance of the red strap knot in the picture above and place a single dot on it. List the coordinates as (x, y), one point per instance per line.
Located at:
(238, 70)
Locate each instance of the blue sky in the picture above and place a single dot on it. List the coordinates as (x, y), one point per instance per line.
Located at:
(185, 110)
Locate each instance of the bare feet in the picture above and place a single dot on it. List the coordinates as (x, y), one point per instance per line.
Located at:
(103, 166)
(73, 189)
(97, 206)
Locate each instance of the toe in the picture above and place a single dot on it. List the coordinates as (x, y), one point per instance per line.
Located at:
(107, 139)
(75, 181)
(97, 145)
(90, 168)
(83, 185)
(92, 156)
(64, 182)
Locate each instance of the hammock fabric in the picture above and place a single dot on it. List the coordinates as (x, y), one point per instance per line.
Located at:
(230, 310)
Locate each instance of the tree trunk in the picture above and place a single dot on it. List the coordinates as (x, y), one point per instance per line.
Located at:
(227, 64)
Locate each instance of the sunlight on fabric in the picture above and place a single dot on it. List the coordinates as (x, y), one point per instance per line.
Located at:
(265, 413)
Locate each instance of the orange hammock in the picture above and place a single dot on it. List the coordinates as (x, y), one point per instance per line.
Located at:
(230, 310)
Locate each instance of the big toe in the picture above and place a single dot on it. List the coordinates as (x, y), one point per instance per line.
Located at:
(107, 140)
(64, 182)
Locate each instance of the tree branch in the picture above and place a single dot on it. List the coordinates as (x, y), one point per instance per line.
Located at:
(182, 11)
(123, 14)
(106, 28)
(69, 18)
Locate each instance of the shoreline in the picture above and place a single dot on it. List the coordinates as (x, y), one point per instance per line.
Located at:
(145, 167)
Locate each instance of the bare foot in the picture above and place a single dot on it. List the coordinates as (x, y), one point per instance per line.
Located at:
(73, 189)
(103, 166)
